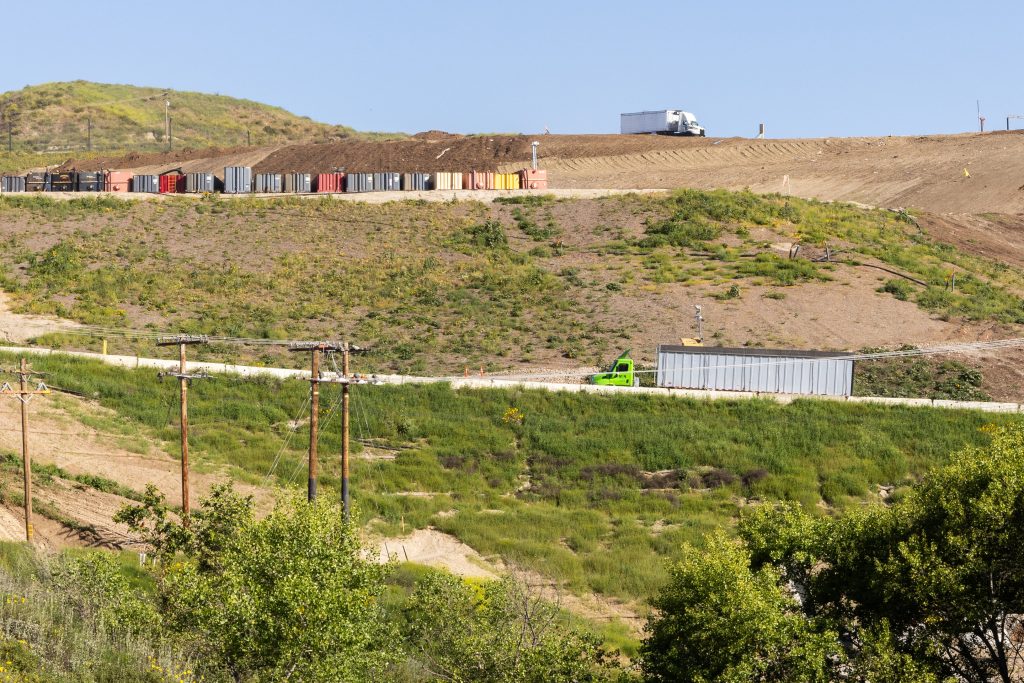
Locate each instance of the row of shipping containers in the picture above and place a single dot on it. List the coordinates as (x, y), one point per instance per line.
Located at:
(241, 180)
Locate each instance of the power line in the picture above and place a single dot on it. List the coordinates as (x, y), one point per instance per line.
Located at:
(284, 446)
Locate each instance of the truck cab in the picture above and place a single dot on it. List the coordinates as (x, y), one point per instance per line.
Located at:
(620, 374)
(688, 125)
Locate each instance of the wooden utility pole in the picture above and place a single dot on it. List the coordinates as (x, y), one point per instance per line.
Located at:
(24, 394)
(88, 142)
(344, 433)
(183, 378)
(167, 118)
(315, 349)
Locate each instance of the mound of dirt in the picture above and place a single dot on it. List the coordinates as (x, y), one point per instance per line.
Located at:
(137, 160)
(966, 173)
(436, 135)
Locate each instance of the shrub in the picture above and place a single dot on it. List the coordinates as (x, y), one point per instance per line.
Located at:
(898, 287)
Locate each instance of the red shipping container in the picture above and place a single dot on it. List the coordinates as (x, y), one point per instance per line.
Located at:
(330, 182)
(172, 183)
(534, 179)
(116, 181)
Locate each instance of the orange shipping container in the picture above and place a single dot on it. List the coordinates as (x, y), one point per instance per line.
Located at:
(478, 180)
(117, 181)
(534, 179)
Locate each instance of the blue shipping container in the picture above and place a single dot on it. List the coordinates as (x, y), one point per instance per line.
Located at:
(359, 182)
(146, 183)
(416, 181)
(237, 179)
(268, 182)
(199, 182)
(12, 183)
(298, 182)
(389, 182)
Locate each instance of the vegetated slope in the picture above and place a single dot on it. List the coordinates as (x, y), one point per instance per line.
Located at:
(588, 491)
(54, 117)
(434, 287)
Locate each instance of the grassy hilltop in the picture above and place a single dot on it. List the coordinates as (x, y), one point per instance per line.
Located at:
(52, 117)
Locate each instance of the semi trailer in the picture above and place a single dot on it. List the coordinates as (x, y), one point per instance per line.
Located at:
(661, 122)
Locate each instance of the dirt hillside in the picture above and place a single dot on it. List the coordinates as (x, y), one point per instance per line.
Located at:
(926, 172)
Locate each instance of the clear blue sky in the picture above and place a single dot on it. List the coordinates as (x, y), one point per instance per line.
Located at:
(805, 68)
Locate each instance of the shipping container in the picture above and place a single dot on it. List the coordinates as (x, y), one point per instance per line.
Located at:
(478, 180)
(534, 179)
(446, 180)
(198, 183)
(117, 181)
(358, 182)
(62, 181)
(89, 181)
(416, 181)
(267, 182)
(506, 181)
(12, 183)
(387, 182)
(172, 183)
(37, 182)
(759, 370)
(330, 182)
(298, 183)
(237, 179)
(146, 183)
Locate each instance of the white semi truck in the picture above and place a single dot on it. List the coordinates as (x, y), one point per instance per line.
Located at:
(661, 122)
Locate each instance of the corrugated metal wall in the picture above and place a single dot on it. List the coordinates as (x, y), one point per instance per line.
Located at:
(300, 183)
(446, 180)
(268, 182)
(784, 372)
(359, 182)
(330, 182)
(12, 183)
(416, 181)
(237, 179)
(199, 182)
(145, 183)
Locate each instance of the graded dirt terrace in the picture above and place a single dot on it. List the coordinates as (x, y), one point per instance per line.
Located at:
(925, 172)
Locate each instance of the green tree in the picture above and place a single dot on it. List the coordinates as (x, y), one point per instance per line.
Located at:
(499, 632)
(287, 597)
(940, 573)
(719, 620)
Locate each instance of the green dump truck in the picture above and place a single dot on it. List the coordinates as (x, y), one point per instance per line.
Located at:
(620, 374)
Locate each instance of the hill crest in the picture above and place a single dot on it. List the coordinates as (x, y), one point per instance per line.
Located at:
(81, 115)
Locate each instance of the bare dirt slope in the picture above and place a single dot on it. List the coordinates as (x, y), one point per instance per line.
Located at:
(60, 436)
(926, 172)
